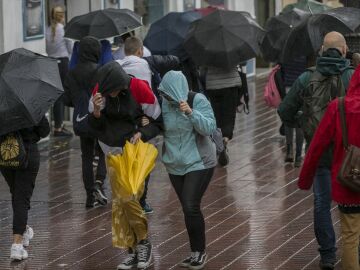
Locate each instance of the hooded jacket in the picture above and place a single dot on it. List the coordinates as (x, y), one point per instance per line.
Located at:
(137, 67)
(329, 131)
(81, 77)
(331, 63)
(120, 118)
(187, 146)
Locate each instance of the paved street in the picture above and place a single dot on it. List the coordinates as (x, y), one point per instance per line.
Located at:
(256, 217)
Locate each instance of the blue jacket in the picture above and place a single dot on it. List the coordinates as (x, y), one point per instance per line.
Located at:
(187, 146)
(106, 54)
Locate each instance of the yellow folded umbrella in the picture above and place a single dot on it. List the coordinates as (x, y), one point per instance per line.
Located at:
(127, 173)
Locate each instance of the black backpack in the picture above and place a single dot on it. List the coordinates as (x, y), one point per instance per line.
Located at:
(320, 91)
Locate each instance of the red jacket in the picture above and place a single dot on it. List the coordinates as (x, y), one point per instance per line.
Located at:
(329, 130)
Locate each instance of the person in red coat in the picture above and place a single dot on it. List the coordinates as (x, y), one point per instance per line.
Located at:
(329, 131)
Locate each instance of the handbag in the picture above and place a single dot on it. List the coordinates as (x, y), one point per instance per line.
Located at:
(13, 154)
(349, 174)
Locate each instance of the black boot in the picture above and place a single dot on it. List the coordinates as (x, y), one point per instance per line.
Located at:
(289, 153)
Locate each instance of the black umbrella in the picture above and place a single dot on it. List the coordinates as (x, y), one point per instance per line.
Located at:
(167, 35)
(29, 84)
(103, 24)
(277, 30)
(223, 38)
(306, 39)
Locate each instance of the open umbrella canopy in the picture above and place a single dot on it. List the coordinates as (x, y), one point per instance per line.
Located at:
(103, 24)
(167, 35)
(29, 84)
(306, 39)
(277, 30)
(223, 38)
(311, 6)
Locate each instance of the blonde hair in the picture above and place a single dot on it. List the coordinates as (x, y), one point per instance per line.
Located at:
(57, 16)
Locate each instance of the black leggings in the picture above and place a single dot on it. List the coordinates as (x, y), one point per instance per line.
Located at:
(21, 184)
(224, 103)
(190, 189)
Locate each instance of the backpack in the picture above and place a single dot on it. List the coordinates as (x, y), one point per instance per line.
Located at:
(271, 93)
(320, 91)
(155, 80)
(216, 137)
(243, 91)
(13, 153)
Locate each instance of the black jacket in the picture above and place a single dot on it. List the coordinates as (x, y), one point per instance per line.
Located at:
(81, 78)
(163, 63)
(120, 119)
(34, 134)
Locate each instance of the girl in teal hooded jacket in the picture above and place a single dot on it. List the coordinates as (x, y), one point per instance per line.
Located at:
(189, 156)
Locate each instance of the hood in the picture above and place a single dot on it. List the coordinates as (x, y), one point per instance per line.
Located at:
(111, 77)
(331, 63)
(131, 60)
(354, 87)
(89, 50)
(174, 84)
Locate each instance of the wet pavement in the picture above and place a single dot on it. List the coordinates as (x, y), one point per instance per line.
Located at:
(256, 218)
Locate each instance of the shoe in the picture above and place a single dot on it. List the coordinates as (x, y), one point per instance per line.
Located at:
(129, 262)
(144, 254)
(147, 209)
(18, 252)
(27, 236)
(90, 201)
(199, 261)
(62, 133)
(99, 193)
(186, 262)
(289, 154)
(297, 163)
(327, 265)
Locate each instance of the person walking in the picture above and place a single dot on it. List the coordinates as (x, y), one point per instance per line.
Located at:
(22, 183)
(330, 131)
(145, 69)
(189, 155)
(60, 48)
(222, 88)
(118, 110)
(328, 81)
(291, 71)
(78, 85)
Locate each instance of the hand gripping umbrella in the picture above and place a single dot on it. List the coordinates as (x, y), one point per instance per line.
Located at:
(223, 38)
(29, 84)
(166, 36)
(306, 39)
(103, 24)
(277, 30)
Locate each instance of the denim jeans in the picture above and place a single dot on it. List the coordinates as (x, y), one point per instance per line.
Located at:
(324, 229)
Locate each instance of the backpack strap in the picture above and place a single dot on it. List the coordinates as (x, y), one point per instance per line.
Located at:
(191, 96)
(343, 122)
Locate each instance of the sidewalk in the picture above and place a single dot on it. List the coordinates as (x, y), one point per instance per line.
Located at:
(256, 218)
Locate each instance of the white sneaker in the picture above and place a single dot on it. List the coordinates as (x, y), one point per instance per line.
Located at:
(18, 252)
(27, 236)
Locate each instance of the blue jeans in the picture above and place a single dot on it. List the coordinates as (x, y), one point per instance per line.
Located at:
(323, 226)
